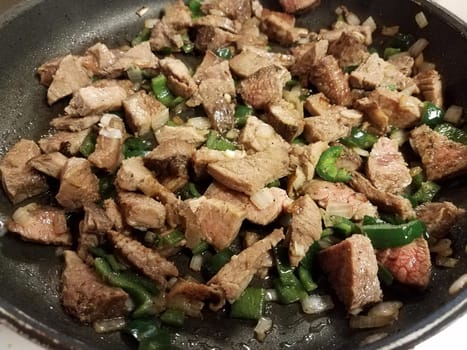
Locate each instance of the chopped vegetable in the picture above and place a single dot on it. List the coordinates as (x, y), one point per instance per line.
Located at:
(201, 247)
(106, 187)
(421, 20)
(148, 334)
(241, 114)
(402, 41)
(306, 279)
(288, 286)
(89, 145)
(188, 45)
(250, 305)
(162, 92)
(314, 304)
(344, 226)
(390, 51)
(218, 142)
(327, 169)
(143, 35)
(189, 191)
(171, 240)
(388, 235)
(359, 138)
(384, 275)
(173, 317)
(426, 192)
(452, 133)
(195, 7)
(262, 327)
(136, 147)
(110, 258)
(432, 115)
(224, 52)
(215, 262)
(350, 69)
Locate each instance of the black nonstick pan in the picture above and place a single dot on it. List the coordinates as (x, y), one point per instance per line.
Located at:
(34, 31)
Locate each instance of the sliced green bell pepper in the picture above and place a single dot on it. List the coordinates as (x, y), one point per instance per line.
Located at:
(327, 169)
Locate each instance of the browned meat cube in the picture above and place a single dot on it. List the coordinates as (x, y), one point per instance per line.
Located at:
(86, 296)
(234, 9)
(69, 123)
(431, 86)
(386, 167)
(50, 164)
(438, 217)
(264, 87)
(212, 38)
(378, 119)
(306, 57)
(352, 270)
(19, 179)
(139, 56)
(305, 227)
(292, 6)
(211, 66)
(336, 33)
(404, 62)
(40, 224)
(144, 113)
(215, 21)
(113, 213)
(235, 276)
(140, 211)
(145, 259)
(409, 264)
(285, 119)
(280, 27)
(177, 15)
(178, 76)
(205, 156)
(256, 135)
(250, 35)
(181, 133)
(78, 184)
(65, 142)
(47, 70)
(441, 157)
(164, 36)
(349, 49)
(99, 59)
(317, 104)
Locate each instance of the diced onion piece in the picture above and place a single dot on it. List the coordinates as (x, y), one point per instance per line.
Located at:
(271, 295)
(361, 152)
(445, 261)
(386, 308)
(142, 11)
(419, 60)
(418, 47)
(441, 246)
(361, 321)
(109, 325)
(262, 199)
(421, 20)
(400, 136)
(263, 326)
(199, 122)
(390, 31)
(337, 208)
(232, 134)
(196, 262)
(111, 133)
(458, 284)
(151, 22)
(426, 66)
(370, 23)
(314, 304)
(352, 19)
(171, 282)
(453, 115)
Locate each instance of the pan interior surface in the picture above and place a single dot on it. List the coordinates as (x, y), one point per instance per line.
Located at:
(36, 31)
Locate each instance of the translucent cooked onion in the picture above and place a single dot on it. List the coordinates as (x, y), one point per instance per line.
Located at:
(390, 31)
(109, 325)
(386, 308)
(352, 19)
(262, 199)
(453, 114)
(199, 122)
(421, 20)
(418, 47)
(196, 262)
(361, 321)
(271, 295)
(458, 284)
(373, 338)
(142, 11)
(445, 261)
(314, 304)
(361, 152)
(263, 326)
(339, 209)
(442, 247)
(400, 136)
(370, 23)
(151, 22)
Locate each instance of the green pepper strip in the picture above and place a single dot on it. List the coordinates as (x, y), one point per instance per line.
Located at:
(390, 51)
(136, 147)
(111, 260)
(141, 296)
(306, 279)
(426, 192)
(161, 90)
(250, 305)
(432, 115)
(143, 281)
(215, 262)
(106, 187)
(326, 167)
(188, 45)
(224, 52)
(143, 35)
(402, 41)
(384, 275)
(344, 226)
(195, 8)
(288, 286)
(173, 317)
(388, 236)
(298, 141)
(199, 248)
(275, 183)
(171, 240)
(189, 191)
(89, 145)
(241, 114)
(359, 138)
(219, 143)
(350, 69)
(452, 133)
(148, 334)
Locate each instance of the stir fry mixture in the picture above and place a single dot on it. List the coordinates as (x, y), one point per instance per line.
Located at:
(226, 145)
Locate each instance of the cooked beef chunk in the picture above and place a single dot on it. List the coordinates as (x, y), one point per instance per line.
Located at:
(215, 21)
(145, 259)
(329, 78)
(40, 224)
(292, 6)
(205, 156)
(306, 57)
(251, 238)
(85, 242)
(86, 296)
(403, 111)
(139, 56)
(212, 38)
(171, 158)
(19, 179)
(386, 167)
(342, 27)
(235, 276)
(349, 49)
(373, 113)
(211, 66)
(181, 133)
(438, 217)
(177, 15)
(164, 36)
(78, 184)
(264, 87)
(50, 164)
(218, 233)
(253, 172)
(69, 123)
(65, 142)
(234, 9)
(352, 270)
(304, 229)
(404, 62)
(141, 212)
(385, 201)
(113, 213)
(144, 113)
(326, 193)
(431, 87)
(69, 78)
(256, 135)
(317, 104)
(47, 70)
(280, 27)
(441, 157)
(409, 264)
(102, 59)
(179, 79)
(250, 35)
(285, 119)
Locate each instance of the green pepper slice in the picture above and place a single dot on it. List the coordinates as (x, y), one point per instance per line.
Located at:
(359, 138)
(327, 169)
(241, 114)
(390, 51)
(432, 115)
(173, 317)
(218, 142)
(136, 147)
(250, 305)
(452, 133)
(387, 236)
(426, 192)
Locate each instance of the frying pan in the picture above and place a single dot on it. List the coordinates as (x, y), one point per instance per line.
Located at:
(37, 30)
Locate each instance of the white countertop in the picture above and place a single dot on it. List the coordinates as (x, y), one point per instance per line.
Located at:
(10, 340)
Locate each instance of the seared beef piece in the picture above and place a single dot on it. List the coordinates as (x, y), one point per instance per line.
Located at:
(108, 153)
(385, 201)
(164, 36)
(86, 296)
(19, 179)
(65, 142)
(113, 213)
(181, 133)
(250, 35)
(404, 62)
(304, 229)
(141, 212)
(69, 78)
(285, 119)
(252, 59)
(342, 27)
(431, 87)
(170, 158)
(280, 27)
(216, 231)
(234, 9)
(47, 70)
(177, 15)
(292, 6)
(253, 172)
(251, 238)
(191, 296)
(352, 270)
(386, 167)
(102, 59)
(256, 135)
(139, 56)
(325, 193)
(145, 259)
(85, 242)
(40, 224)
(264, 87)
(143, 113)
(376, 72)
(235, 276)
(69, 123)
(441, 157)
(317, 104)
(178, 76)
(329, 78)
(210, 67)
(306, 57)
(205, 156)
(212, 38)
(373, 113)
(349, 49)
(215, 21)
(438, 217)
(260, 216)
(403, 111)
(50, 164)
(78, 184)
(409, 264)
